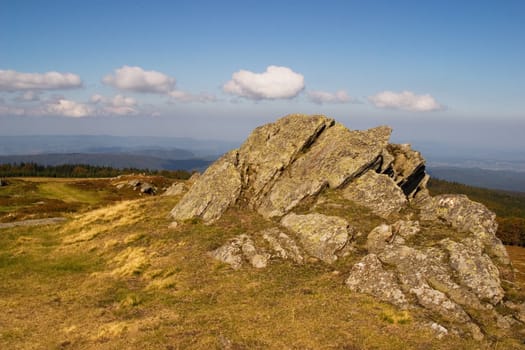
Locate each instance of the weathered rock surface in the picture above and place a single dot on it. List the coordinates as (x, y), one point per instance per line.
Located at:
(176, 189)
(283, 246)
(337, 156)
(378, 192)
(322, 236)
(238, 250)
(439, 255)
(217, 189)
(368, 276)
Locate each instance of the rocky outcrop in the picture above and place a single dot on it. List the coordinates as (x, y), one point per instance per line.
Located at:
(438, 255)
(217, 189)
(322, 236)
(378, 192)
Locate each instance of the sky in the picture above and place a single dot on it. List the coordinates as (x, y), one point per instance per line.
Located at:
(441, 72)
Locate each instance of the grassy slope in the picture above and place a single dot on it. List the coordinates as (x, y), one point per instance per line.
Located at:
(118, 278)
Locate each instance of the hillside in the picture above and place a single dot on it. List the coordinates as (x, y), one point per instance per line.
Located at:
(115, 160)
(132, 282)
(309, 235)
(506, 180)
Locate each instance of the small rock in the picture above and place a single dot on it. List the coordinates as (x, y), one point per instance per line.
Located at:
(175, 189)
(173, 225)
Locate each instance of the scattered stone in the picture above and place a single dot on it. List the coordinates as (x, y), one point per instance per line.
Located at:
(173, 225)
(322, 236)
(176, 189)
(441, 331)
(147, 188)
(239, 249)
(284, 247)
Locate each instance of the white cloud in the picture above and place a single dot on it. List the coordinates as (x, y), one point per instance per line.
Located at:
(11, 80)
(321, 97)
(275, 83)
(28, 96)
(67, 108)
(140, 80)
(405, 100)
(183, 96)
(118, 105)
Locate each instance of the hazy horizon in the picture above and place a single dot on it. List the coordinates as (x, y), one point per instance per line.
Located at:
(438, 72)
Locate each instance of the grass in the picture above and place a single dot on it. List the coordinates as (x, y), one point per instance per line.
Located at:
(60, 292)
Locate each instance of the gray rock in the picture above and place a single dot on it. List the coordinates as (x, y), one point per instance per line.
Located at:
(475, 270)
(368, 276)
(271, 148)
(407, 169)
(175, 189)
(283, 246)
(238, 250)
(336, 157)
(377, 192)
(147, 188)
(321, 236)
(217, 189)
(467, 216)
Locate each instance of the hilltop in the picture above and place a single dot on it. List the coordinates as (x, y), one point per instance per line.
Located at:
(281, 243)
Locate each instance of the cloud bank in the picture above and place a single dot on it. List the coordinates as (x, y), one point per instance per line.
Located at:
(118, 105)
(67, 108)
(321, 97)
(275, 83)
(139, 80)
(11, 80)
(406, 100)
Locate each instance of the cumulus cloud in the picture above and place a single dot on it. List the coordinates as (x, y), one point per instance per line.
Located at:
(118, 105)
(67, 108)
(28, 96)
(321, 97)
(405, 100)
(183, 96)
(11, 80)
(140, 80)
(275, 83)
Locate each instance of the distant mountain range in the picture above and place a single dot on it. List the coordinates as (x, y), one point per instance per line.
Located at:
(506, 172)
(507, 180)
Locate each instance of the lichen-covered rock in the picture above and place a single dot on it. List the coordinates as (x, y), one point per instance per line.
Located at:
(407, 169)
(283, 246)
(271, 148)
(217, 189)
(368, 276)
(475, 270)
(322, 236)
(467, 216)
(238, 250)
(337, 156)
(377, 192)
(176, 189)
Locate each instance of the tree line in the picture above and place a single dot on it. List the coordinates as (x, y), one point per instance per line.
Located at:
(81, 171)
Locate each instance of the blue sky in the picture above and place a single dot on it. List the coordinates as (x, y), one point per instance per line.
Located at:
(216, 69)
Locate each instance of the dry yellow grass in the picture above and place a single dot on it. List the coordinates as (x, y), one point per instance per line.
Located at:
(118, 278)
